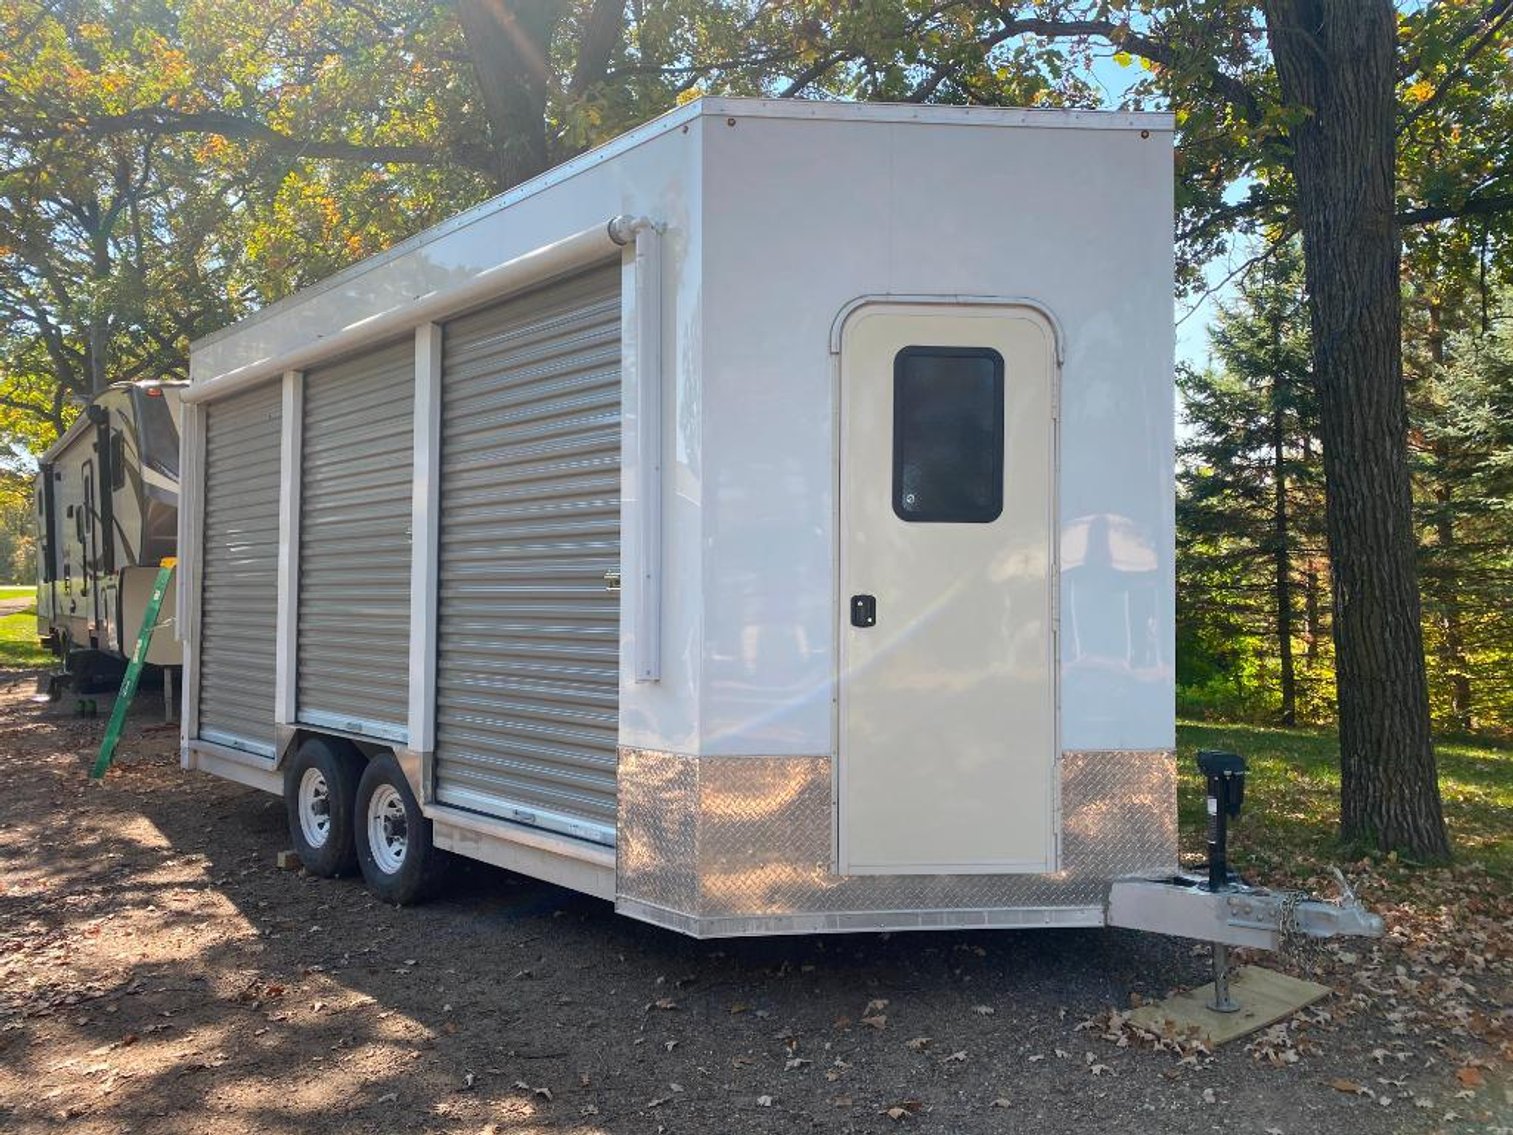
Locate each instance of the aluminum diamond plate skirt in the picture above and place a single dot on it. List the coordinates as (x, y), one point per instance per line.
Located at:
(745, 845)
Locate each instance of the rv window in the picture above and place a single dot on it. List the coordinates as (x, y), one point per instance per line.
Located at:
(157, 435)
(948, 434)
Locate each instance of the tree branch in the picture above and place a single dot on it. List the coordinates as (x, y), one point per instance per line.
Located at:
(1494, 19)
(161, 120)
(1492, 204)
(1241, 97)
(809, 74)
(601, 31)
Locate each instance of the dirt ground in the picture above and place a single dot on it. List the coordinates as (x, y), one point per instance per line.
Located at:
(159, 974)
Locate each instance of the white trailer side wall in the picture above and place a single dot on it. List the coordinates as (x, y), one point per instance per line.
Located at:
(807, 216)
(654, 172)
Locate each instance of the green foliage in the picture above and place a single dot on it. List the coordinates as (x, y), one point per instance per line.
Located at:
(1464, 404)
(1252, 594)
(1292, 796)
(19, 647)
(1461, 410)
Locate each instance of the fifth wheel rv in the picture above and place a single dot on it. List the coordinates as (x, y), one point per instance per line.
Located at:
(107, 505)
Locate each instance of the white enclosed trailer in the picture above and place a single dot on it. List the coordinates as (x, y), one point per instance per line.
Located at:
(764, 522)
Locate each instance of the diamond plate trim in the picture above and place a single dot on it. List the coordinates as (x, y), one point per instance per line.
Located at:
(713, 845)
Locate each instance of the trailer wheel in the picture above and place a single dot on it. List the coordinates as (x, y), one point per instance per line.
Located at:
(320, 786)
(399, 863)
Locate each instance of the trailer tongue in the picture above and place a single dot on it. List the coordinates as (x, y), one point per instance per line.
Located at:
(1224, 910)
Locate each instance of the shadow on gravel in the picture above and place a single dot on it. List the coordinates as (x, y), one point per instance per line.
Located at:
(178, 982)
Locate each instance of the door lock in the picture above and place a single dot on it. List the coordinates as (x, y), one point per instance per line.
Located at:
(612, 580)
(863, 610)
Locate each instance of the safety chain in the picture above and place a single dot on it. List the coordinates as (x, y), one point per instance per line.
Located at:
(1292, 941)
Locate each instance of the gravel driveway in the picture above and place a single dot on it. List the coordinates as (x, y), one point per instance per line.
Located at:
(158, 974)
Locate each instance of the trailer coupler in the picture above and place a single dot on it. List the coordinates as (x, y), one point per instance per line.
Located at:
(1222, 909)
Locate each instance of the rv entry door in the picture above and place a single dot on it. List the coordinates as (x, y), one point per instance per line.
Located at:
(947, 738)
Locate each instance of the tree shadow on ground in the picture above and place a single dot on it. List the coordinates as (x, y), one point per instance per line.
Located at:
(170, 979)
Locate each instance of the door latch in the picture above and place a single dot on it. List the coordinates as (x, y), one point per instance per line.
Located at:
(612, 579)
(863, 610)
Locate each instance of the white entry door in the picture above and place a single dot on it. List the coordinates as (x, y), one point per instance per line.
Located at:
(947, 740)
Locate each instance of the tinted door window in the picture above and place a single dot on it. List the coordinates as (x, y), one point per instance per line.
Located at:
(948, 434)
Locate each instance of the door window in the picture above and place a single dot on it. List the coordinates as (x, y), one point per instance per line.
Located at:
(948, 434)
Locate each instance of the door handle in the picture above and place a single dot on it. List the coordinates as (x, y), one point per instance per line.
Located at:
(863, 610)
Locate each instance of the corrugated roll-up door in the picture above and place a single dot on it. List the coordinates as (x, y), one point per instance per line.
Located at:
(239, 589)
(528, 635)
(353, 661)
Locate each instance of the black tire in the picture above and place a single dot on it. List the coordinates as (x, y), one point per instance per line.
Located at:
(335, 768)
(406, 867)
(93, 671)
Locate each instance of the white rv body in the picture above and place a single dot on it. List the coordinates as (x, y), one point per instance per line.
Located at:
(106, 515)
(725, 744)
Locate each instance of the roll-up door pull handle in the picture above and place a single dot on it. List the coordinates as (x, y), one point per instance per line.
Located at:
(612, 579)
(863, 610)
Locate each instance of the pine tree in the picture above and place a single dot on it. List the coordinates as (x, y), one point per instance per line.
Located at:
(1249, 510)
(1466, 510)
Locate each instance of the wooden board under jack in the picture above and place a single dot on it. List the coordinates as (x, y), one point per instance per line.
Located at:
(1265, 998)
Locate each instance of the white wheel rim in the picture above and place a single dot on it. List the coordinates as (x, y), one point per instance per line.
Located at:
(314, 808)
(388, 829)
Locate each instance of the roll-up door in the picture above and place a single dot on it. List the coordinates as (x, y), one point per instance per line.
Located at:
(353, 660)
(528, 634)
(239, 590)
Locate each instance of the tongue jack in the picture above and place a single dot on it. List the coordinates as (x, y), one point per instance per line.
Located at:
(1225, 774)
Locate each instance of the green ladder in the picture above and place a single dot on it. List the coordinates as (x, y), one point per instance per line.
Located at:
(133, 669)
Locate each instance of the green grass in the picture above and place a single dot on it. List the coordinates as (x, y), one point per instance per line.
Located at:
(18, 642)
(18, 591)
(1292, 796)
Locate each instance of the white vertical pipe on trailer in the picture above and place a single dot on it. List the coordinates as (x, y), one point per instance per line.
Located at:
(641, 369)
(424, 531)
(285, 672)
(190, 567)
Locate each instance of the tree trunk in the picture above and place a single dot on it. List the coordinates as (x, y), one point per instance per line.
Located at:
(1335, 62)
(509, 44)
(1311, 632)
(1453, 648)
(1282, 557)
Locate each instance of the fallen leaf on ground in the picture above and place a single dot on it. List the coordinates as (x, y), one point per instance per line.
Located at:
(1469, 1076)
